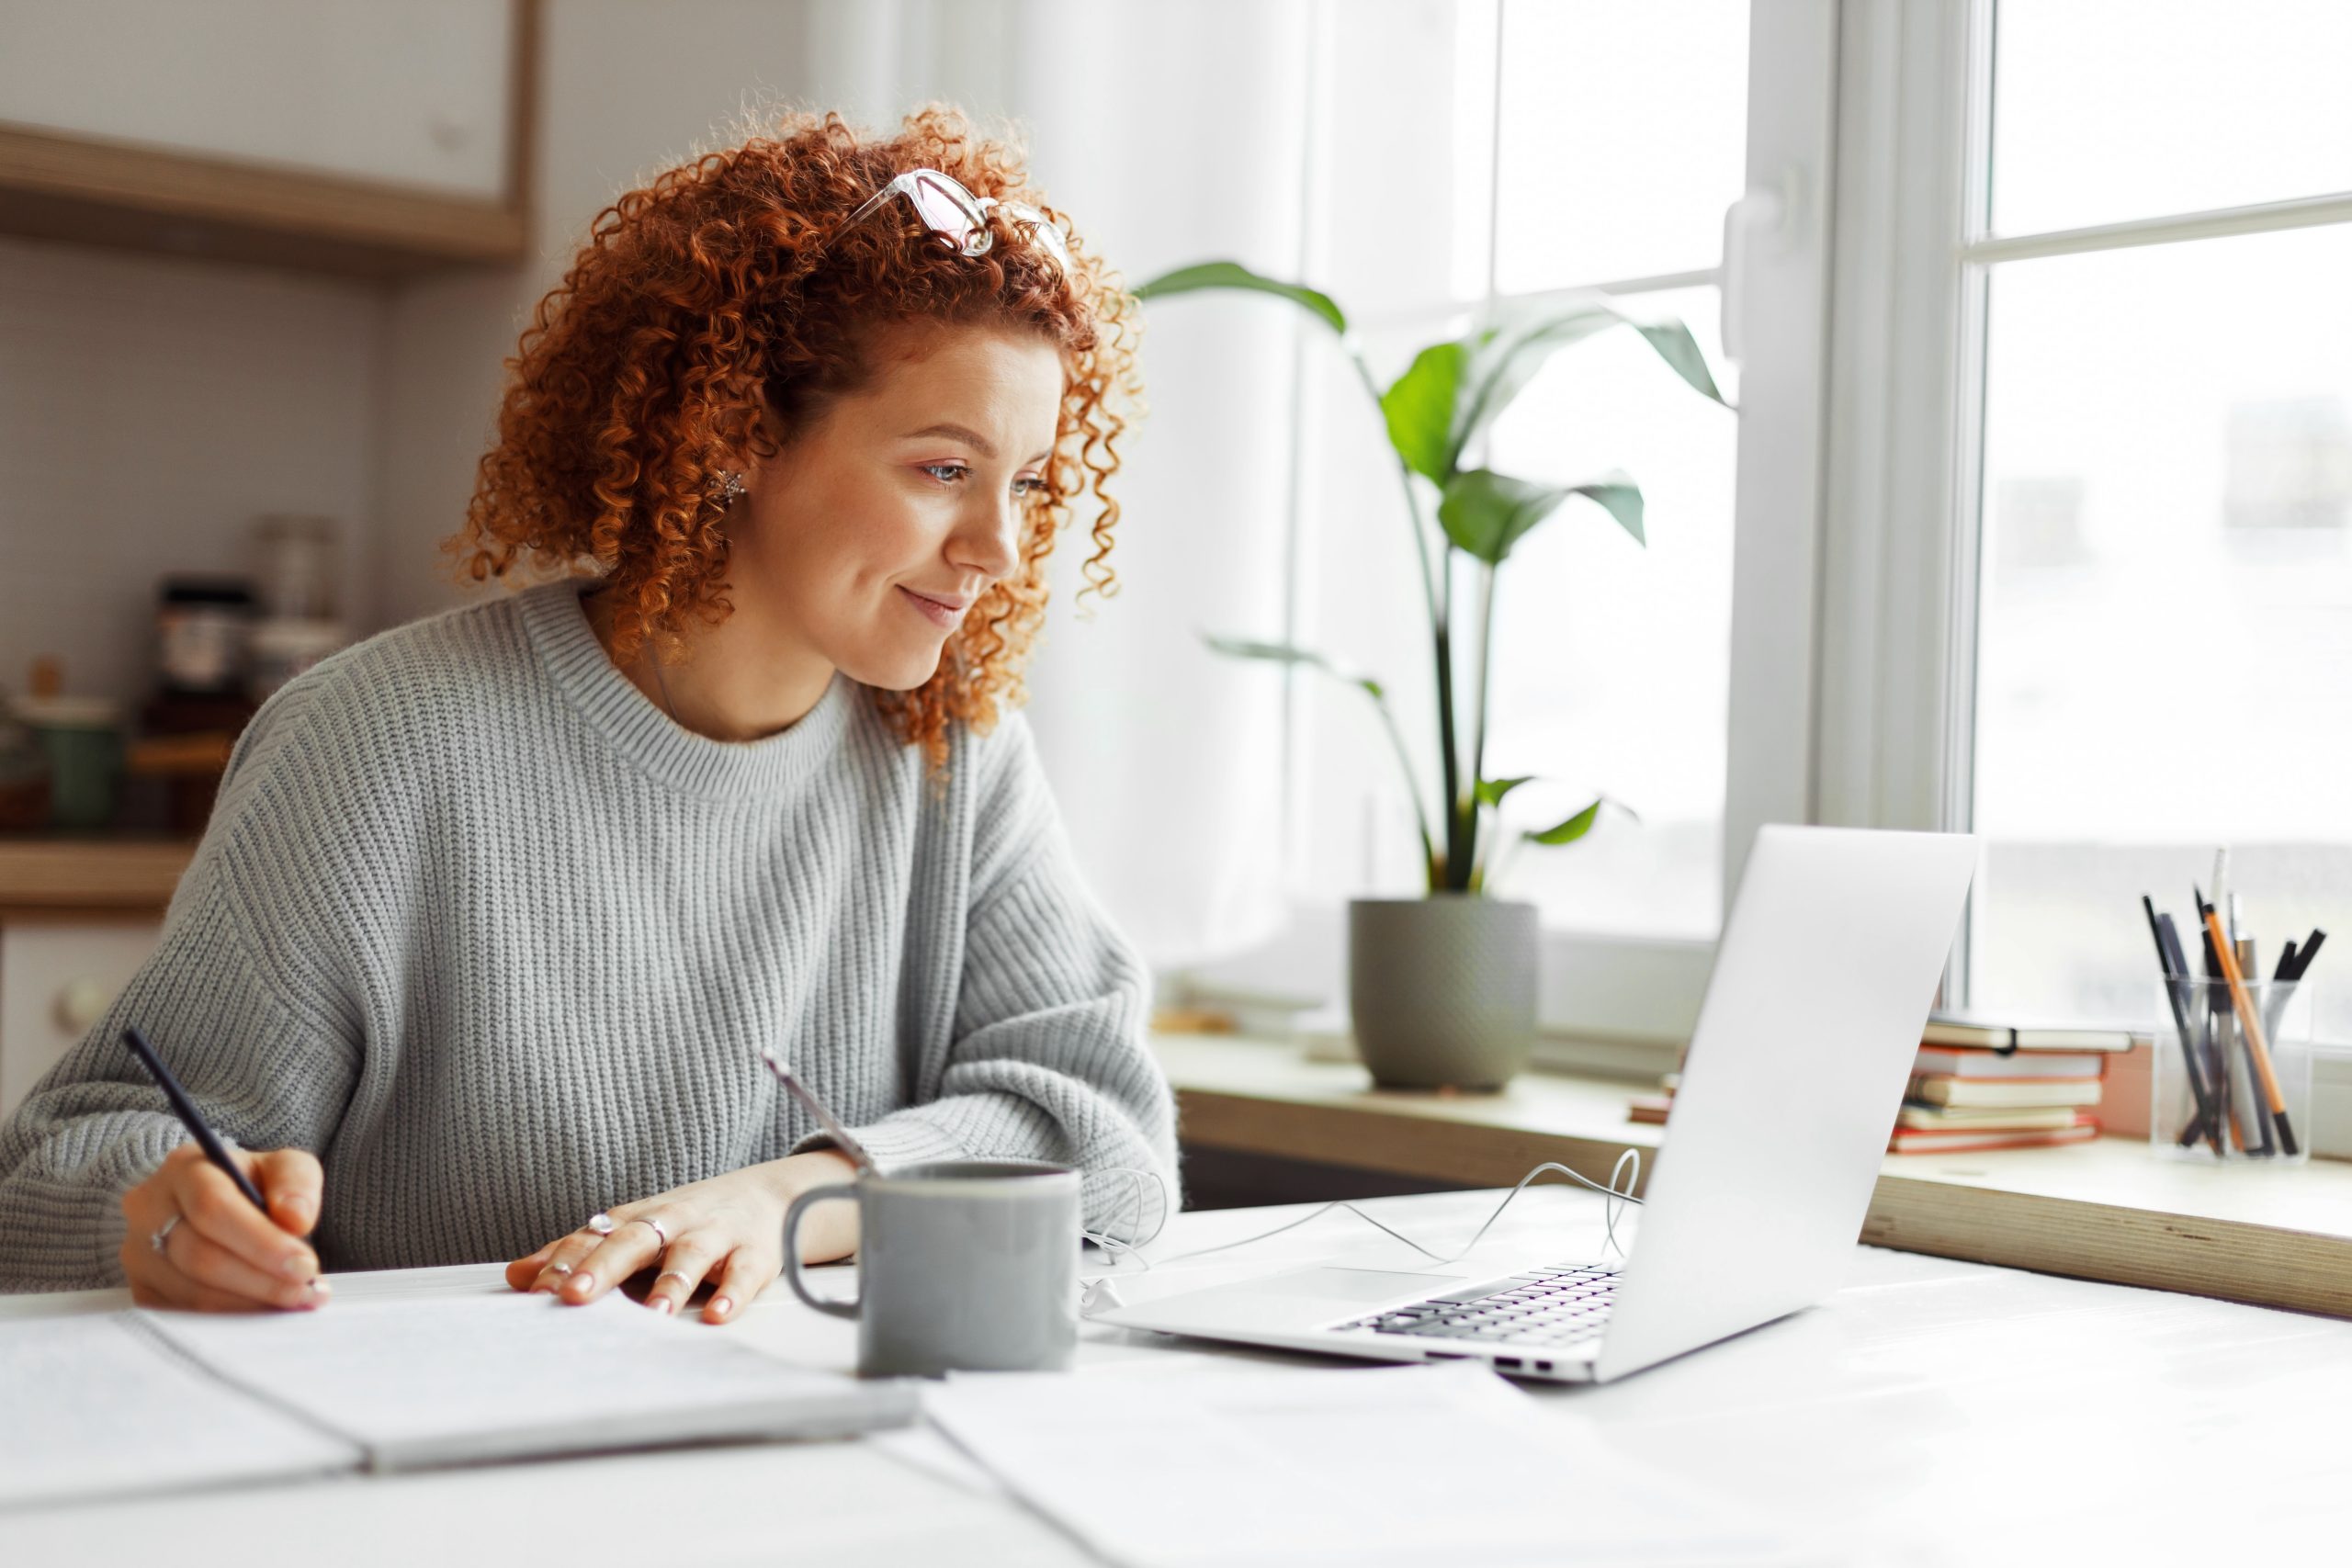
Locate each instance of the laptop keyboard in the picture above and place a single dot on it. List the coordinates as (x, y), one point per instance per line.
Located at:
(1542, 1306)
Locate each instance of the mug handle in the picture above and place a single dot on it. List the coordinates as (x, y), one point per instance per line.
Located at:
(792, 1275)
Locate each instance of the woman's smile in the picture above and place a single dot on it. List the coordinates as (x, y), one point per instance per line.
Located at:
(942, 613)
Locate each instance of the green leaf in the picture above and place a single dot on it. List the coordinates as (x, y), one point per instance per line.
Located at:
(1680, 349)
(1504, 358)
(1233, 275)
(1491, 792)
(1569, 832)
(1617, 495)
(1486, 513)
(1419, 408)
(1285, 653)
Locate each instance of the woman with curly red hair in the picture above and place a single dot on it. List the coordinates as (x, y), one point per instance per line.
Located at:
(497, 909)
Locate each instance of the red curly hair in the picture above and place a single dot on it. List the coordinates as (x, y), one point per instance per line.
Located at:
(728, 283)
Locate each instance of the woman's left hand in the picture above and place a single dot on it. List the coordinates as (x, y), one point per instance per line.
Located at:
(728, 1230)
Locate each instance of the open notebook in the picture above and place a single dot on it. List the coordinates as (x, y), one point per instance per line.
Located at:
(105, 1403)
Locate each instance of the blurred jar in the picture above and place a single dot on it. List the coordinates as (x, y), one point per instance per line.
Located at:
(282, 649)
(297, 567)
(82, 740)
(24, 776)
(201, 625)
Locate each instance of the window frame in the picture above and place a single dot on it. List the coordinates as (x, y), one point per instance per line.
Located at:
(1899, 541)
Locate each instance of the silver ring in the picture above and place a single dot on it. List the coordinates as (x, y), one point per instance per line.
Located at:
(648, 1220)
(163, 1234)
(670, 1274)
(602, 1223)
(560, 1268)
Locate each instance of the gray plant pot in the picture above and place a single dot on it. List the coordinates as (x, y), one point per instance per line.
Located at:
(1442, 989)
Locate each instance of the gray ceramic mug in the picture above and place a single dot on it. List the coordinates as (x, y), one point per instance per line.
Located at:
(968, 1265)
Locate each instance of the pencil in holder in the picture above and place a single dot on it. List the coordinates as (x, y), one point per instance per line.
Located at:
(2232, 1078)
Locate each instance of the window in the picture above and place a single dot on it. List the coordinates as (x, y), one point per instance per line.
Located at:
(2043, 491)
(2163, 640)
(1577, 162)
(1512, 152)
(2090, 547)
(1612, 660)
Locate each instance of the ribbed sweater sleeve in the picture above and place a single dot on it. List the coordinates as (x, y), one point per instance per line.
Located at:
(1048, 1058)
(267, 1065)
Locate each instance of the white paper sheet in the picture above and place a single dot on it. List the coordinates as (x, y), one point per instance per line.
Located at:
(91, 1407)
(1258, 1465)
(436, 1381)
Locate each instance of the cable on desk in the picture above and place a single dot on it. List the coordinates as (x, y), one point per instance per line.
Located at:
(1623, 1177)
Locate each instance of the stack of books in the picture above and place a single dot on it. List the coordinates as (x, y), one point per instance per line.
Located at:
(1978, 1085)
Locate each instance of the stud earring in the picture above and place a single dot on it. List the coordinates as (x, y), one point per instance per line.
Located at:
(731, 487)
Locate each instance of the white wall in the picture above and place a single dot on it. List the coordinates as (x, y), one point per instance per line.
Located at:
(150, 409)
(625, 89)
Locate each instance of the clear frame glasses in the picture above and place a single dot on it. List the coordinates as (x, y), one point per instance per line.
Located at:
(954, 213)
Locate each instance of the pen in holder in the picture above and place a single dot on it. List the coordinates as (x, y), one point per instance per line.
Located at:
(2228, 1086)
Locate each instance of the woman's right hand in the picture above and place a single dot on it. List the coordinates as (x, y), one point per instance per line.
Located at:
(224, 1255)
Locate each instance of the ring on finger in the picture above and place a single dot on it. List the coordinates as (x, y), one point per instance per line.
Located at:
(163, 1233)
(673, 1274)
(649, 1220)
(557, 1269)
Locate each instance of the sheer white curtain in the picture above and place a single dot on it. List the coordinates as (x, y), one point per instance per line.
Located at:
(1172, 134)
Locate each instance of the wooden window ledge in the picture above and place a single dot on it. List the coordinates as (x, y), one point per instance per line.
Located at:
(2108, 1211)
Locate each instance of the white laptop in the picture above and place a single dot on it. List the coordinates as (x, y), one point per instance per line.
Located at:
(1828, 964)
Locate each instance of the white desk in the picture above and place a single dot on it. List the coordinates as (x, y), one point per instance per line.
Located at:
(1930, 1413)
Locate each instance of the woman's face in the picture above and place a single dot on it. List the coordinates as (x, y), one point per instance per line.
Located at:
(865, 540)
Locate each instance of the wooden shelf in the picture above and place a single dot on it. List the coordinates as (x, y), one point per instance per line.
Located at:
(131, 195)
(2108, 1210)
(131, 875)
(124, 196)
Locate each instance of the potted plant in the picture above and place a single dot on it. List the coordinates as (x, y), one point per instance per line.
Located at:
(1444, 986)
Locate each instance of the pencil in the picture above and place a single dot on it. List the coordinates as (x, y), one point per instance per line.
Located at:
(2252, 1025)
(2175, 992)
(2248, 964)
(2310, 951)
(185, 1109)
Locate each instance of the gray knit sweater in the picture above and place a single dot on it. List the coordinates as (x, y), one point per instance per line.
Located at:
(477, 923)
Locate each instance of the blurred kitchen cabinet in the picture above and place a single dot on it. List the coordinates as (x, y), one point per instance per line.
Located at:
(77, 918)
(58, 976)
(347, 136)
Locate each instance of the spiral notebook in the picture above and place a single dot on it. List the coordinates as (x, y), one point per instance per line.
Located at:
(114, 1402)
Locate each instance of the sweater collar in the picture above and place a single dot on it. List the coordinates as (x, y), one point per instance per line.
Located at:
(693, 764)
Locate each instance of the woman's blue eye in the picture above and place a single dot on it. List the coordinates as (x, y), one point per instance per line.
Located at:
(954, 473)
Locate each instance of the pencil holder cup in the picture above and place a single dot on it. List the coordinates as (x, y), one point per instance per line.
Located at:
(2232, 1078)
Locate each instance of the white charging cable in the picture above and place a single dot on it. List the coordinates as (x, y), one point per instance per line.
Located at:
(1624, 1177)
